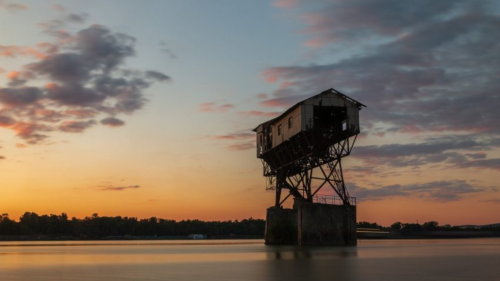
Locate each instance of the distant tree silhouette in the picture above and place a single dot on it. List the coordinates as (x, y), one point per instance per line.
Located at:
(96, 227)
(396, 225)
(364, 224)
(430, 225)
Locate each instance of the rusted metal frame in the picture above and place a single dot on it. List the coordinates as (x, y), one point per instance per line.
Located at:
(278, 196)
(340, 185)
(325, 180)
(335, 186)
(307, 183)
(283, 201)
(346, 194)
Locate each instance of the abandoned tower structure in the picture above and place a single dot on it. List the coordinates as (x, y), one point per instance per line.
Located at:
(301, 151)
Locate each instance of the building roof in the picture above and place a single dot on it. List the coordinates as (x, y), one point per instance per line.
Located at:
(331, 90)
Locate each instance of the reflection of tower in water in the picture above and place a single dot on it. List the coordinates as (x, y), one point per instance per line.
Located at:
(310, 263)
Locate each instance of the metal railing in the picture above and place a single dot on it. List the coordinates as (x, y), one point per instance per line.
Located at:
(332, 200)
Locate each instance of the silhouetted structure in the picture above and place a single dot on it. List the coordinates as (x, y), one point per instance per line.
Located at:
(301, 151)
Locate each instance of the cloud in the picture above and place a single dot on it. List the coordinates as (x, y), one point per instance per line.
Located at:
(261, 96)
(485, 163)
(164, 48)
(112, 122)
(75, 126)
(59, 8)
(118, 188)
(284, 102)
(493, 201)
(259, 113)
(440, 191)
(2, 157)
(85, 76)
(13, 7)
(419, 68)
(19, 51)
(450, 150)
(214, 107)
(242, 146)
(240, 140)
(235, 136)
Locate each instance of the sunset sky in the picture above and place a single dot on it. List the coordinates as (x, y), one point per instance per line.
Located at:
(145, 108)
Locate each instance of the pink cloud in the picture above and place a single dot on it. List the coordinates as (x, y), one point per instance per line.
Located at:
(261, 96)
(213, 107)
(242, 146)
(13, 7)
(235, 136)
(59, 8)
(285, 3)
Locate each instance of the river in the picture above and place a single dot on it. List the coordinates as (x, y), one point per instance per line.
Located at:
(408, 260)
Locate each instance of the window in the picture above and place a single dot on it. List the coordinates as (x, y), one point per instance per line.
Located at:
(279, 130)
(290, 122)
(344, 125)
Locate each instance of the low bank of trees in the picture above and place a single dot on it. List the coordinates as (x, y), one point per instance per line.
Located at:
(97, 227)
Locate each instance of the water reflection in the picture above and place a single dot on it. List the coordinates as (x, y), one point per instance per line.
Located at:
(411, 260)
(310, 263)
(308, 252)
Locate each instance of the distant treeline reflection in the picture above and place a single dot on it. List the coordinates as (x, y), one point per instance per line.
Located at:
(34, 226)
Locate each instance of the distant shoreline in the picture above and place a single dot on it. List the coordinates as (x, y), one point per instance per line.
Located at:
(438, 234)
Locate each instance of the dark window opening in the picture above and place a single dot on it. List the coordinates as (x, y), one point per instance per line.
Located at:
(290, 122)
(279, 130)
(329, 117)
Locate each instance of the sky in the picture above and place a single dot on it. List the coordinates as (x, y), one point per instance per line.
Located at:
(146, 108)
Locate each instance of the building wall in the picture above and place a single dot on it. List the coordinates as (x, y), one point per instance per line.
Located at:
(286, 131)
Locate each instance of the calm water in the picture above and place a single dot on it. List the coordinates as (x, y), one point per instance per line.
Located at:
(464, 259)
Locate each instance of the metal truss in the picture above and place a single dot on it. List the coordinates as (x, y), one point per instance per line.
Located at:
(306, 163)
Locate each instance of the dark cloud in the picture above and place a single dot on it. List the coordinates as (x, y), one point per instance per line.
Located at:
(77, 18)
(441, 191)
(75, 126)
(112, 122)
(428, 69)
(421, 69)
(351, 20)
(74, 95)
(486, 163)
(19, 96)
(6, 121)
(118, 188)
(85, 76)
(158, 76)
(452, 150)
(2, 157)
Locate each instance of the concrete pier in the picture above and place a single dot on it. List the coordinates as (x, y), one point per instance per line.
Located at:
(311, 224)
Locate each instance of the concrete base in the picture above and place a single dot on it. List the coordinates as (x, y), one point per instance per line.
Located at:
(311, 224)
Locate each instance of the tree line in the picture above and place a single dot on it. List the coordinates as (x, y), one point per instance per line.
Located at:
(101, 227)
(426, 226)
